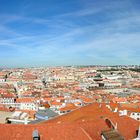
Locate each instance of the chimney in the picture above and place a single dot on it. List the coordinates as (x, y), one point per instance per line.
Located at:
(35, 135)
(116, 109)
(116, 126)
(25, 121)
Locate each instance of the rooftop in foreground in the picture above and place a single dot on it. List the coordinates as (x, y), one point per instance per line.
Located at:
(86, 123)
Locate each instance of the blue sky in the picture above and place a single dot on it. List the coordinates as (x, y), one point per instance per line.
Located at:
(69, 32)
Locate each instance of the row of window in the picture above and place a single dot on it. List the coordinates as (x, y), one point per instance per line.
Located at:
(136, 114)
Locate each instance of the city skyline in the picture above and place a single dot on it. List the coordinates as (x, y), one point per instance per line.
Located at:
(76, 32)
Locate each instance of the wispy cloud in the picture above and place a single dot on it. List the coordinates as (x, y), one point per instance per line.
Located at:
(93, 34)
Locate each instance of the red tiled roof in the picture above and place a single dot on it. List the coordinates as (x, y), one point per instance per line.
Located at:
(86, 100)
(69, 106)
(82, 124)
(55, 103)
(96, 114)
(49, 132)
(116, 99)
(25, 100)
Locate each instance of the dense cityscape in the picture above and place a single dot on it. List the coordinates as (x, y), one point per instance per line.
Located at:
(69, 69)
(93, 102)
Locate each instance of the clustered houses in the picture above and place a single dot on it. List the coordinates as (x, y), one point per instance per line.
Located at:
(60, 90)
